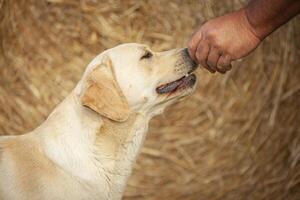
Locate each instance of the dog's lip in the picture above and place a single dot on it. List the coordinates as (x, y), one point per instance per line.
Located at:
(182, 83)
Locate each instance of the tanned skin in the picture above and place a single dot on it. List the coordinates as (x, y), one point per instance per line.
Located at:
(227, 38)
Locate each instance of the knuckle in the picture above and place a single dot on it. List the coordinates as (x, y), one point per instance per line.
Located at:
(227, 64)
(212, 38)
(197, 54)
(228, 57)
(221, 70)
(191, 44)
(218, 49)
(204, 65)
(200, 57)
(209, 69)
(211, 64)
(222, 63)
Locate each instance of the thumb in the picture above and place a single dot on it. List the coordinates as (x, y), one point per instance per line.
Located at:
(193, 43)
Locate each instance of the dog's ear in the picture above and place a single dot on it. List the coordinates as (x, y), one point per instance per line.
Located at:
(103, 94)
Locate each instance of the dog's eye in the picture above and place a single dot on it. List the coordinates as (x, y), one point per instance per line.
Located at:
(147, 55)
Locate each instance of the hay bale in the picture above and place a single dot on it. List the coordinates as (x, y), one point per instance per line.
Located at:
(237, 137)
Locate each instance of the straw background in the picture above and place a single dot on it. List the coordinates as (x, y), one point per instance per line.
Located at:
(236, 137)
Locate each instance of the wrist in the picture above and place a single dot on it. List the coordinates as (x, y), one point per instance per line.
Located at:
(247, 26)
(261, 29)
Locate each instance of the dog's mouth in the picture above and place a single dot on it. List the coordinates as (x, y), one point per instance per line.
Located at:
(184, 82)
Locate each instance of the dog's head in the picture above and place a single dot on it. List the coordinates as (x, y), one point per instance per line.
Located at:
(132, 78)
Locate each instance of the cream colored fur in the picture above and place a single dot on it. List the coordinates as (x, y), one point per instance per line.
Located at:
(87, 146)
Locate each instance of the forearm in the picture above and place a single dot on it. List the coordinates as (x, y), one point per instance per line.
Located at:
(265, 16)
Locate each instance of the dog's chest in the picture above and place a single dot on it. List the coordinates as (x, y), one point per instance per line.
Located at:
(117, 147)
(102, 163)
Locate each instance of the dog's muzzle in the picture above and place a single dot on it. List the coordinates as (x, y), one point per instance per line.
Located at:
(186, 81)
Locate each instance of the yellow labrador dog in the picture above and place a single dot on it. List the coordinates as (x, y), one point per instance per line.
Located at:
(87, 146)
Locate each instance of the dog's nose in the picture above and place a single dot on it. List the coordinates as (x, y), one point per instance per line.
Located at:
(187, 58)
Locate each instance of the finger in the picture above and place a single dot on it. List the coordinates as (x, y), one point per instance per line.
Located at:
(224, 63)
(193, 43)
(213, 58)
(201, 55)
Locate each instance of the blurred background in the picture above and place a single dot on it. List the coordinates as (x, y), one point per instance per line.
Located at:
(237, 137)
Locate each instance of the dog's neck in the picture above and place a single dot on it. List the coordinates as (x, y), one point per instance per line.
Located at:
(91, 148)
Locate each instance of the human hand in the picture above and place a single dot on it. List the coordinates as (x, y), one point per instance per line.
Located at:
(222, 40)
